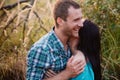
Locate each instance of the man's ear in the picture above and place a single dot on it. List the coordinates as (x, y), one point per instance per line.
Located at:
(60, 21)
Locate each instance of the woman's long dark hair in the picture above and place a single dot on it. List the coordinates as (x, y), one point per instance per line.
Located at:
(89, 44)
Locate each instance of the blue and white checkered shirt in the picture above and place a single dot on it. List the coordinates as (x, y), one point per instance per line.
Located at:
(46, 53)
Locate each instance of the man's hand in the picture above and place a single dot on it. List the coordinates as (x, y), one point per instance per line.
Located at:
(49, 74)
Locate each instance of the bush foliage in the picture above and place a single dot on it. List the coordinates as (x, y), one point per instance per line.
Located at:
(106, 14)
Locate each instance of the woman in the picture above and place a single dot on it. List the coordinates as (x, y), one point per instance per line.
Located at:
(89, 44)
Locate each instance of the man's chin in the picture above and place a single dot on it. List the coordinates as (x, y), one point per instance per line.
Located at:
(76, 35)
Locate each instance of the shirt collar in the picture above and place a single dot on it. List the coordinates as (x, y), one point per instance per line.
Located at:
(57, 42)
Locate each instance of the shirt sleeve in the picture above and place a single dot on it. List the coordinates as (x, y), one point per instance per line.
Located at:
(37, 62)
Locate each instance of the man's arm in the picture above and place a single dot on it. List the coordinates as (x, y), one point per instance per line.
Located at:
(37, 62)
(73, 68)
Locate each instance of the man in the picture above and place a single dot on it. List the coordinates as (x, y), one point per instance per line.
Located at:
(52, 50)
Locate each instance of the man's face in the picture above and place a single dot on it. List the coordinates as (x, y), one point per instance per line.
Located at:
(73, 23)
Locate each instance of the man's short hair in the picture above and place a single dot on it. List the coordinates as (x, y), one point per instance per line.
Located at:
(61, 9)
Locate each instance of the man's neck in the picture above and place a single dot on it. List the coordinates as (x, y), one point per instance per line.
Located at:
(63, 38)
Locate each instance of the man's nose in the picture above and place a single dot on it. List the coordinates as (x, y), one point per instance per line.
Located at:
(80, 24)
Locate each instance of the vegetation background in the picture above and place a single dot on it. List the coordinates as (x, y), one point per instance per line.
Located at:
(22, 22)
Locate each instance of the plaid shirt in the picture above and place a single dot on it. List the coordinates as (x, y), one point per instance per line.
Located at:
(46, 53)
